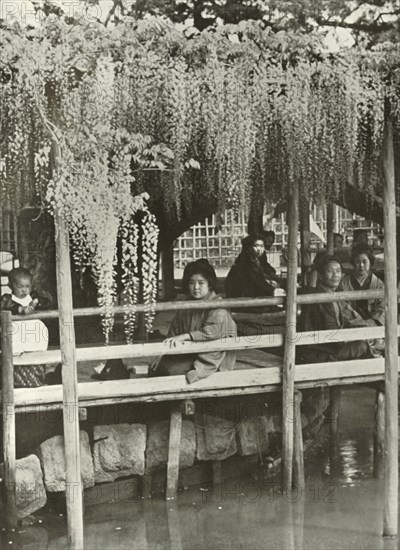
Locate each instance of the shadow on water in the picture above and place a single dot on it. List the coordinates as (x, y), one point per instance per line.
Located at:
(340, 508)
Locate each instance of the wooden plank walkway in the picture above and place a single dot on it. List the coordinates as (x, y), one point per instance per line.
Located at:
(240, 382)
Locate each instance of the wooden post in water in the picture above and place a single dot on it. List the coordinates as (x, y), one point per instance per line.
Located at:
(298, 454)
(174, 447)
(391, 458)
(290, 345)
(379, 434)
(70, 387)
(334, 392)
(8, 421)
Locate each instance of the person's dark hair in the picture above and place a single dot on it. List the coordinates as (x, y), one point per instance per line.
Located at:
(338, 235)
(362, 248)
(269, 233)
(359, 234)
(18, 272)
(250, 240)
(246, 242)
(201, 267)
(327, 259)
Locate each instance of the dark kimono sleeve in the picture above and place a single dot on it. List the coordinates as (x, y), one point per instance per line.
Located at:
(378, 305)
(7, 304)
(45, 300)
(256, 283)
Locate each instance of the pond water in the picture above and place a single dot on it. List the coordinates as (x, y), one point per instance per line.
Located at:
(340, 508)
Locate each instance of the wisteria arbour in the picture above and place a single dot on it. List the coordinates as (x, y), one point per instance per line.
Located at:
(257, 112)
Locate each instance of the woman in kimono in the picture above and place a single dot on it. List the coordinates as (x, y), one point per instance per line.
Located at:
(362, 278)
(251, 275)
(199, 283)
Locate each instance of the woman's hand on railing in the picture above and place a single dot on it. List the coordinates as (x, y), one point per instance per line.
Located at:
(174, 340)
(153, 366)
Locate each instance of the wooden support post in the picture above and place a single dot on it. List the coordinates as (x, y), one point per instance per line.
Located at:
(175, 430)
(8, 421)
(70, 387)
(167, 272)
(390, 512)
(305, 241)
(334, 392)
(330, 227)
(379, 434)
(298, 454)
(289, 345)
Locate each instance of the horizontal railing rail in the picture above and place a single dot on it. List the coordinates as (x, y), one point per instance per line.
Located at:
(316, 298)
(254, 341)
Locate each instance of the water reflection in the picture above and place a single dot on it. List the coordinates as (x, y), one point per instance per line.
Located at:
(340, 507)
(348, 453)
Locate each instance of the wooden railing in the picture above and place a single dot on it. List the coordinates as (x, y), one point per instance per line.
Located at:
(175, 388)
(316, 298)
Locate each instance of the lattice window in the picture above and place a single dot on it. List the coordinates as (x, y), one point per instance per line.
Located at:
(217, 238)
(8, 247)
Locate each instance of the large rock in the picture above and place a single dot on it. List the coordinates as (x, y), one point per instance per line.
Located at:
(157, 444)
(118, 451)
(215, 437)
(52, 458)
(252, 436)
(30, 492)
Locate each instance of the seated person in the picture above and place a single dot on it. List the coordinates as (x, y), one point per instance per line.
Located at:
(268, 269)
(269, 239)
(362, 278)
(24, 301)
(199, 283)
(330, 316)
(249, 276)
(340, 252)
(360, 236)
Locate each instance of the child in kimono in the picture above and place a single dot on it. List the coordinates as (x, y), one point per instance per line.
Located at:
(24, 301)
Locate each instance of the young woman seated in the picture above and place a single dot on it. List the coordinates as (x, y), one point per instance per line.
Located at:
(203, 325)
(362, 278)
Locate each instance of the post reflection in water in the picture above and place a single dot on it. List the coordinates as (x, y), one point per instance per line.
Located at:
(174, 525)
(339, 508)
